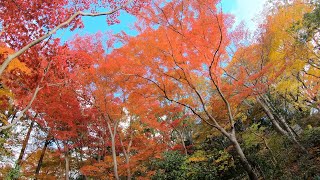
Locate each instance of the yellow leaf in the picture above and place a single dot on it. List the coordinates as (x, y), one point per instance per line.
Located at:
(4, 119)
(16, 64)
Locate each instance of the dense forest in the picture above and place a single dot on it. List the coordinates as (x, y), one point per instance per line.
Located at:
(192, 96)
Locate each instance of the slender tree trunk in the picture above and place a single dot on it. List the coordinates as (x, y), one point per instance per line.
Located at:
(233, 139)
(113, 133)
(114, 157)
(128, 168)
(24, 144)
(286, 126)
(99, 158)
(183, 144)
(41, 157)
(275, 123)
(243, 159)
(67, 160)
(127, 155)
(287, 131)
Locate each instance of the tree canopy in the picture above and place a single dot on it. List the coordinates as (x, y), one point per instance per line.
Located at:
(192, 96)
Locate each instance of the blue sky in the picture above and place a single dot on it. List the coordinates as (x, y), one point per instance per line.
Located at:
(244, 10)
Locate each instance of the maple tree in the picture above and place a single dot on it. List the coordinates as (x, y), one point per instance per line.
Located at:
(190, 97)
(185, 55)
(35, 22)
(110, 101)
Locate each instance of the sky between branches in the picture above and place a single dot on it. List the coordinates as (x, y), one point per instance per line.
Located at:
(243, 10)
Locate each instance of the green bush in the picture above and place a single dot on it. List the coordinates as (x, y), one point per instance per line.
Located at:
(311, 137)
(169, 168)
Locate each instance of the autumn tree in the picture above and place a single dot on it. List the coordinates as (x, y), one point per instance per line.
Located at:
(273, 67)
(174, 99)
(31, 33)
(57, 95)
(114, 102)
(180, 52)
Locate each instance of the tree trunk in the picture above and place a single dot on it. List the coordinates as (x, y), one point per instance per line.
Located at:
(41, 157)
(232, 137)
(275, 123)
(113, 133)
(287, 131)
(126, 153)
(24, 145)
(243, 159)
(99, 157)
(127, 156)
(114, 157)
(293, 135)
(67, 165)
(128, 168)
(286, 126)
(183, 144)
